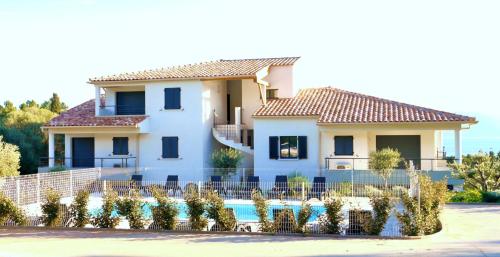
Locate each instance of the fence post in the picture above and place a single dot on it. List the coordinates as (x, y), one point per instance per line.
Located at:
(71, 183)
(104, 187)
(303, 192)
(199, 189)
(38, 187)
(18, 192)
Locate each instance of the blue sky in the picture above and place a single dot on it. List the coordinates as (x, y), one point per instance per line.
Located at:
(439, 54)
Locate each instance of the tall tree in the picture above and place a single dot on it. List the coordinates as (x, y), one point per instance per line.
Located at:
(480, 171)
(55, 104)
(9, 159)
(8, 107)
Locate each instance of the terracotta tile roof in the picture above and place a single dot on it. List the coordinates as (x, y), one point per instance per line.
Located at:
(332, 105)
(83, 115)
(205, 70)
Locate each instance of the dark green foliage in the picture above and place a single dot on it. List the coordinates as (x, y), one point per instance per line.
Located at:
(51, 209)
(10, 212)
(284, 221)
(423, 219)
(331, 223)
(224, 218)
(79, 209)
(468, 196)
(196, 208)
(491, 197)
(227, 158)
(304, 215)
(131, 208)
(105, 218)
(165, 213)
(261, 207)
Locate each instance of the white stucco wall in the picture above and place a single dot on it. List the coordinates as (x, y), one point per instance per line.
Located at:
(185, 123)
(281, 78)
(214, 98)
(250, 101)
(267, 168)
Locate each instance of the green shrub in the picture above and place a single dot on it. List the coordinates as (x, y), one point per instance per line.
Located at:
(79, 209)
(382, 206)
(284, 221)
(227, 158)
(131, 208)
(261, 207)
(330, 223)
(57, 168)
(383, 162)
(165, 213)
(196, 208)
(105, 218)
(51, 209)
(9, 159)
(491, 197)
(468, 196)
(224, 218)
(10, 212)
(304, 214)
(295, 180)
(480, 171)
(423, 219)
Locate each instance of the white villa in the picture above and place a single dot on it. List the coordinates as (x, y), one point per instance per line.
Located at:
(169, 121)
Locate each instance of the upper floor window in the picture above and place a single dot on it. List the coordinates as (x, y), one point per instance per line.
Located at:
(130, 103)
(120, 145)
(288, 147)
(344, 145)
(170, 147)
(271, 93)
(172, 98)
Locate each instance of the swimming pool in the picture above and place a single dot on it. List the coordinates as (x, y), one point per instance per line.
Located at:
(245, 212)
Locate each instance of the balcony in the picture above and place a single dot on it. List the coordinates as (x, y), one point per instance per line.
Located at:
(113, 110)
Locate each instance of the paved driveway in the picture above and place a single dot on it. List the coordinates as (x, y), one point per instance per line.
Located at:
(470, 230)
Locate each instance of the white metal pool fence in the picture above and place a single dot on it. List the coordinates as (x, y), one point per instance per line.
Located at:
(29, 192)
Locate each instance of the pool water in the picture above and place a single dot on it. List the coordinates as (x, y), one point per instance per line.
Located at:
(243, 212)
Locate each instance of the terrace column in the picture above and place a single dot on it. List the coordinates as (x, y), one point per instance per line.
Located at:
(51, 149)
(458, 145)
(67, 151)
(97, 100)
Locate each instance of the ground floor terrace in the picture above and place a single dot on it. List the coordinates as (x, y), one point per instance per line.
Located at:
(469, 230)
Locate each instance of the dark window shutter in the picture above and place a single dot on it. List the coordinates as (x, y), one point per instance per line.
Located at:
(120, 145)
(172, 98)
(302, 147)
(273, 148)
(170, 147)
(344, 145)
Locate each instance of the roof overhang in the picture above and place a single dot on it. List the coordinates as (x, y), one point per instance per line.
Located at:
(142, 82)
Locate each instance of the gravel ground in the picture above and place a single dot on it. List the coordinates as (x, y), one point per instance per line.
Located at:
(470, 230)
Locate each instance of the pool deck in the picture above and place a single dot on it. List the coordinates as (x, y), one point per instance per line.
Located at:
(470, 230)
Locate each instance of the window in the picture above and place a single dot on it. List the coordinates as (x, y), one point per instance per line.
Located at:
(343, 145)
(271, 93)
(288, 147)
(120, 145)
(172, 98)
(170, 147)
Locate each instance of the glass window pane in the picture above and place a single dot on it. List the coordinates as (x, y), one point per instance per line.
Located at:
(294, 151)
(284, 147)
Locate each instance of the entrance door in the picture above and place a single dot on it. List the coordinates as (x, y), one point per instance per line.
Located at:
(408, 146)
(228, 109)
(83, 152)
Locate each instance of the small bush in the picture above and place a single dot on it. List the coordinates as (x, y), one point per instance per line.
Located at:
(10, 212)
(382, 207)
(51, 209)
(423, 219)
(383, 162)
(261, 207)
(165, 213)
(196, 208)
(491, 197)
(468, 196)
(57, 168)
(330, 223)
(295, 180)
(105, 218)
(224, 218)
(304, 214)
(284, 221)
(227, 158)
(131, 208)
(79, 209)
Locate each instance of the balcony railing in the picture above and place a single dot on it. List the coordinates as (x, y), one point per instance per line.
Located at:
(354, 163)
(103, 162)
(110, 110)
